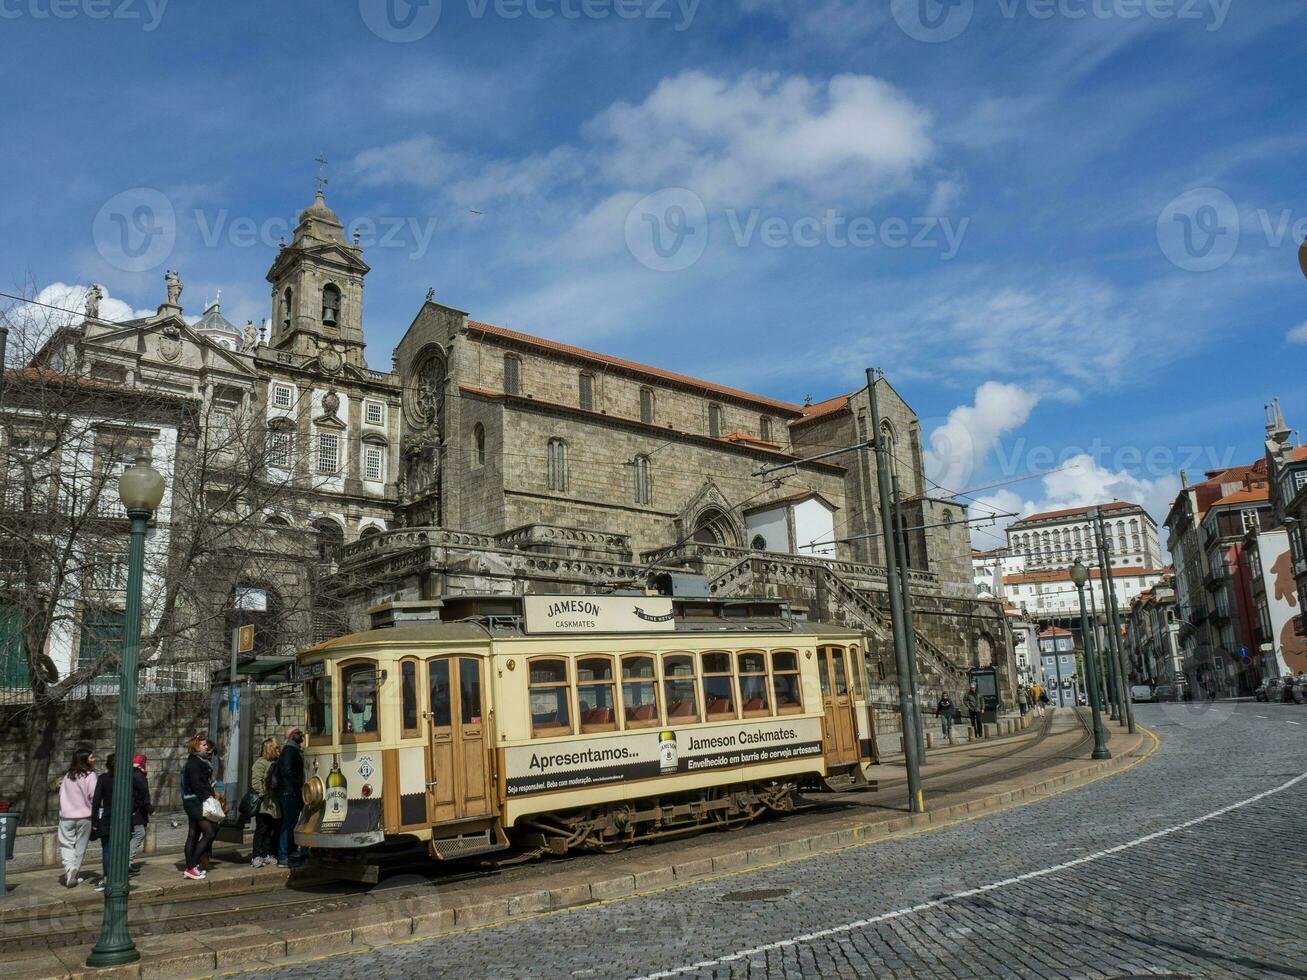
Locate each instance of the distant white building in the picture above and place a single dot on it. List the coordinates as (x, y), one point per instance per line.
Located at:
(1033, 571)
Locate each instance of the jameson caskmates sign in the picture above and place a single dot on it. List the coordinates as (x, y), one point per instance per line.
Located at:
(599, 614)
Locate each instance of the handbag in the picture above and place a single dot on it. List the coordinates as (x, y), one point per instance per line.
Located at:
(213, 810)
(249, 805)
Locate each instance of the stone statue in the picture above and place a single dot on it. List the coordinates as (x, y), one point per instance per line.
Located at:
(174, 281)
(431, 294)
(331, 403)
(251, 338)
(93, 297)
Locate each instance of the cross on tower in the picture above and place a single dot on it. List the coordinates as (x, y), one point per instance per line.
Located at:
(321, 161)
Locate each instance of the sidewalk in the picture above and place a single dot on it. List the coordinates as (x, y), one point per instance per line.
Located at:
(960, 782)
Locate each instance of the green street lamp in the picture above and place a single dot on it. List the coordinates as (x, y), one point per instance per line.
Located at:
(141, 489)
(1080, 576)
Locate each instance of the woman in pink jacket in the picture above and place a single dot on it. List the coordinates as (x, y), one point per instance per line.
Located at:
(75, 792)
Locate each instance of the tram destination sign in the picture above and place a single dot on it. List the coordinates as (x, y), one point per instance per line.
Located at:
(599, 614)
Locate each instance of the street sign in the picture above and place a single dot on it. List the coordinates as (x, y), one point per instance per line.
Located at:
(245, 639)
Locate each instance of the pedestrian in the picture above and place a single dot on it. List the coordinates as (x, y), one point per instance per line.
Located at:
(76, 791)
(944, 712)
(971, 701)
(1044, 700)
(1037, 696)
(290, 772)
(197, 786)
(267, 819)
(1023, 699)
(102, 808)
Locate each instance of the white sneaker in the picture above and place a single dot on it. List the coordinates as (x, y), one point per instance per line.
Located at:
(256, 862)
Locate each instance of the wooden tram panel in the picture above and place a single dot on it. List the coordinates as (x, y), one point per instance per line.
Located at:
(467, 747)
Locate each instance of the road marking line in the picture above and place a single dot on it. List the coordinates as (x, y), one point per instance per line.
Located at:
(993, 886)
(1295, 723)
(732, 873)
(1261, 716)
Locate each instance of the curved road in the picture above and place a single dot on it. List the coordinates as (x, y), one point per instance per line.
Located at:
(1193, 862)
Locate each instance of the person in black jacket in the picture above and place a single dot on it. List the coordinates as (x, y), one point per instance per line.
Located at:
(197, 786)
(290, 768)
(944, 709)
(102, 807)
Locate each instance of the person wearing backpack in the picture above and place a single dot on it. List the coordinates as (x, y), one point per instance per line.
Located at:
(265, 779)
(290, 774)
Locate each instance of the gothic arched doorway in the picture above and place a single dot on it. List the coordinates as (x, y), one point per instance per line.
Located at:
(713, 526)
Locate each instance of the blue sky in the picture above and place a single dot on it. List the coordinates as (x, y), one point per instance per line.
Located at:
(1058, 225)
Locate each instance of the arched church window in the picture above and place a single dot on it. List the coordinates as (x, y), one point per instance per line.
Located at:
(479, 445)
(330, 304)
(287, 306)
(512, 374)
(643, 486)
(556, 465)
(715, 421)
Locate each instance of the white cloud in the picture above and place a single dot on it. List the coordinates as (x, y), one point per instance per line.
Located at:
(959, 446)
(1298, 335)
(735, 142)
(58, 304)
(420, 161)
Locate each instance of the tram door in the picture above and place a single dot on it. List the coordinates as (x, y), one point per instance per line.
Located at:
(840, 732)
(458, 770)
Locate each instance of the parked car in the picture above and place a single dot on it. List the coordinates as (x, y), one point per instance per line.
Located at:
(1287, 683)
(1300, 689)
(1275, 691)
(1263, 691)
(1140, 692)
(1166, 692)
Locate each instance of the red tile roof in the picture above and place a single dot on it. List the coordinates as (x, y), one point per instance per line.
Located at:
(1076, 511)
(1054, 631)
(1257, 493)
(652, 372)
(821, 409)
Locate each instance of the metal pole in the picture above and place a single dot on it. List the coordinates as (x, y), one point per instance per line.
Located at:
(1100, 746)
(909, 631)
(1108, 649)
(115, 946)
(907, 696)
(1114, 627)
(1104, 674)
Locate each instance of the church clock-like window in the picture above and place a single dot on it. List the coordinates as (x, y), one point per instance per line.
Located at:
(330, 304)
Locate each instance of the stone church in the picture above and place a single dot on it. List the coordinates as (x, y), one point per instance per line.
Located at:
(491, 460)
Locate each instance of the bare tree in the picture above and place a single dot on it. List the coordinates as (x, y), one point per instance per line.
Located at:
(232, 527)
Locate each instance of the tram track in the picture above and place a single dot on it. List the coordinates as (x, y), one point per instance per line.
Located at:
(173, 914)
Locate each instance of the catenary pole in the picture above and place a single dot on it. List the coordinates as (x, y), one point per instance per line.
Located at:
(1114, 625)
(907, 696)
(905, 590)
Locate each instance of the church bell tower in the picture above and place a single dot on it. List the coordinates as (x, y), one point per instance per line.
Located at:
(317, 290)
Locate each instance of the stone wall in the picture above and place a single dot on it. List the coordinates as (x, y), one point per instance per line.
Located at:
(164, 724)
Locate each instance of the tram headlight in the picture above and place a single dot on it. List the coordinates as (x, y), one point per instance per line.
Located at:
(313, 791)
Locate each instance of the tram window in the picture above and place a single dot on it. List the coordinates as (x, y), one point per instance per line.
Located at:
(318, 696)
(785, 682)
(639, 691)
(438, 674)
(358, 683)
(718, 688)
(678, 689)
(855, 671)
(841, 681)
(822, 674)
(408, 683)
(753, 683)
(469, 690)
(596, 705)
(550, 698)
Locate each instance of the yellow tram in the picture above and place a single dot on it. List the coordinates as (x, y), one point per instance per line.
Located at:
(561, 722)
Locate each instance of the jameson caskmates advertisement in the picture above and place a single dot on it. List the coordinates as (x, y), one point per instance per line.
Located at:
(550, 766)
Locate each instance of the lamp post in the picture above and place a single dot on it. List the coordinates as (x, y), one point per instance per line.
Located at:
(141, 489)
(1080, 576)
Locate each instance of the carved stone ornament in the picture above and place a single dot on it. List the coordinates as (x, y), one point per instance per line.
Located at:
(330, 361)
(331, 403)
(170, 345)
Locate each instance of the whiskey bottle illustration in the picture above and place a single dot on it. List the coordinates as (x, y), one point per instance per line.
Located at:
(667, 754)
(336, 798)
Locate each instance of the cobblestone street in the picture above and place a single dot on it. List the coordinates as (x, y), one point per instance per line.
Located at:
(1148, 871)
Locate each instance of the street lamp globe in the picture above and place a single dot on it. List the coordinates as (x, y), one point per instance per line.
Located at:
(141, 486)
(1079, 574)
